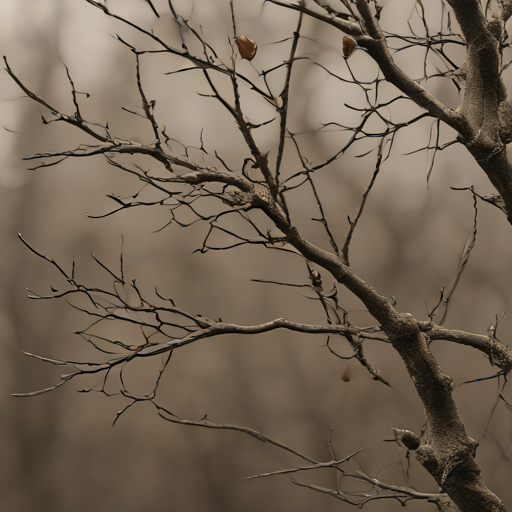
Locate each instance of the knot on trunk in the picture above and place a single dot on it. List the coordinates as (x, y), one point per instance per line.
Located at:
(406, 438)
(426, 456)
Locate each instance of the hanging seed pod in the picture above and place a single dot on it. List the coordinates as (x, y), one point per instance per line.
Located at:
(345, 376)
(349, 46)
(247, 47)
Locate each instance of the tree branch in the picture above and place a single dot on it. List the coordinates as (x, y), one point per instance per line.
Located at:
(375, 42)
(499, 354)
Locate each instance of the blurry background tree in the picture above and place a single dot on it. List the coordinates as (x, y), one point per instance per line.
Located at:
(242, 122)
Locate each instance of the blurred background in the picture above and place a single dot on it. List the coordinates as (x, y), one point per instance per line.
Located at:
(58, 453)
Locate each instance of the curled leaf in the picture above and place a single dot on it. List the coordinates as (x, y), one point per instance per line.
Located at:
(345, 376)
(349, 46)
(247, 47)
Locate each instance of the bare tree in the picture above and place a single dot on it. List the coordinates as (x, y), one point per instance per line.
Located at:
(251, 203)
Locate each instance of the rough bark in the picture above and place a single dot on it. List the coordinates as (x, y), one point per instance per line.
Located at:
(485, 110)
(483, 121)
(451, 452)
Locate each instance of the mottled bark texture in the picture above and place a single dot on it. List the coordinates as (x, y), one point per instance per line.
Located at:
(485, 111)
(483, 122)
(450, 452)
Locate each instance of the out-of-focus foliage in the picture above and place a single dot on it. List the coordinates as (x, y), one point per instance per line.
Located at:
(57, 450)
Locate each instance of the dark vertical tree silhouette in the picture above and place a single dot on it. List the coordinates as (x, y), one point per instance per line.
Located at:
(208, 190)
